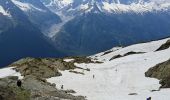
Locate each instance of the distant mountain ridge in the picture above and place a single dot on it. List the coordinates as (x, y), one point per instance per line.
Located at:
(97, 25)
(80, 27)
(20, 38)
(38, 14)
(71, 7)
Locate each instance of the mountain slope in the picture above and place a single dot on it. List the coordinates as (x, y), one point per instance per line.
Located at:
(91, 33)
(119, 79)
(97, 25)
(83, 27)
(72, 7)
(20, 38)
(39, 15)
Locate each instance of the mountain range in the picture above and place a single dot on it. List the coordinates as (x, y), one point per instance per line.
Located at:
(97, 25)
(19, 37)
(55, 28)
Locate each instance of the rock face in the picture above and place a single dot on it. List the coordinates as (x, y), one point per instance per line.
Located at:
(127, 54)
(161, 72)
(42, 90)
(9, 90)
(32, 89)
(20, 38)
(42, 68)
(47, 67)
(164, 46)
(34, 11)
(34, 84)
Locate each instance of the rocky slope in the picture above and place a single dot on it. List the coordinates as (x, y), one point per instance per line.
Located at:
(9, 90)
(20, 38)
(164, 46)
(35, 71)
(43, 28)
(33, 89)
(162, 72)
(97, 77)
(121, 78)
(39, 15)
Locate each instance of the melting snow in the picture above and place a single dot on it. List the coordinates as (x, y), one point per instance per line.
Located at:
(118, 78)
(142, 47)
(9, 72)
(68, 60)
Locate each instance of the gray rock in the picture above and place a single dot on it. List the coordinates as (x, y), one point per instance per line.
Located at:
(164, 46)
(36, 71)
(162, 72)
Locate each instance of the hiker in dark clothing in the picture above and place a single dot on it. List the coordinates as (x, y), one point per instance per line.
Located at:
(19, 83)
(148, 98)
(62, 86)
(93, 76)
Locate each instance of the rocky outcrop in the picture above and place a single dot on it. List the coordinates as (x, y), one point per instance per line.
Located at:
(42, 68)
(115, 57)
(48, 67)
(164, 46)
(42, 90)
(82, 60)
(35, 72)
(107, 52)
(126, 54)
(9, 90)
(132, 52)
(162, 72)
(32, 89)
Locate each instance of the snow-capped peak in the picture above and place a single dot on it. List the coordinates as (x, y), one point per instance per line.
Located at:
(108, 6)
(64, 2)
(25, 6)
(3, 11)
(59, 4)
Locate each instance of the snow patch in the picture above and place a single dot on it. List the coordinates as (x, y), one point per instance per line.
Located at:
(118, 78)
(135, 7)
(26, 6)
(2, 11)
(109, 7)
(142, 47)
(60, 3)
(68, 60)
(4, 72)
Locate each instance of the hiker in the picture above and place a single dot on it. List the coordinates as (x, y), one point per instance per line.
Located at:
(19, 83)
(148, 98)
(93, 76)
(62, 86)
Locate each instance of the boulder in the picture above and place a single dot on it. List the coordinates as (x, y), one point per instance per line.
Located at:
(162, 72)
(164, 46)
